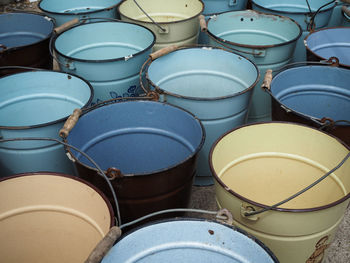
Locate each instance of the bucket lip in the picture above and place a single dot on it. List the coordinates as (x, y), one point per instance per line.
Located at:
(257, 46)
(45, 18)
(208, 98)
(227, 189)
(54, 121)
(202, 220)
(317, 31)
(74, 178)
(133, 175)
(104, 60)
(160, 23)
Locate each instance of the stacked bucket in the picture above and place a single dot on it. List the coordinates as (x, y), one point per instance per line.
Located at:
(149, 97)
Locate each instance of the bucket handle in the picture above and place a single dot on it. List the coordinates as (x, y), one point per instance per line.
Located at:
(311, 24)
(345, 9)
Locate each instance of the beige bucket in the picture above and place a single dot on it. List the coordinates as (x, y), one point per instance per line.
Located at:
(259, 165)
(174, 22)
(52, 218)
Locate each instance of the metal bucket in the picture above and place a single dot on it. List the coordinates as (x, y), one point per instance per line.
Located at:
(65, 10)
(174, 22)
(107, 54)
(214, 84)
(300, 12)
(24, 41)
(337, 16)
(50, 217)
(189, 240)
(268, 40)
(256, 166)
(36, 104)
(149, 150)
(346, 16)
(318, 96)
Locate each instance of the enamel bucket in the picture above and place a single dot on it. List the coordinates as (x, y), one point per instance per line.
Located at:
(36, 104)
(24, 41)
(214, 84)
(337, 16)
(149, 150)
(66, 10)
(174, 22)
(259, 165)
(51, 217)
(107, 54)
(299, 11)
(268, 40)
(329, 42)
(188, 240)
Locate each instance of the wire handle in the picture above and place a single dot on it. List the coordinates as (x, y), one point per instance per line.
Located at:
(150, 18)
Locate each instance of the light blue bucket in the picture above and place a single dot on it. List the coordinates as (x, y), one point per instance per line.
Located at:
(214, 84)
(36, 104)
(268, 40)
(107, 54)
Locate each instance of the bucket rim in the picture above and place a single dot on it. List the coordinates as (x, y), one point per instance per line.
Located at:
(104, 60)
(207, 98)
(67, 176)
(289, 210)
(54, 121)
(159, 23)
(133, 175)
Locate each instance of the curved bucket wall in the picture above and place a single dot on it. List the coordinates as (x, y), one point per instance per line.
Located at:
(300, 12)
(189, 240)
(36, 104)
(50, 217)
(337, 16)
(24, 41)
(311, 94)
(346, 17)
(215, 85)
(177, 21)
(268, 40)
(153, 145)
(107, 54)
(259, 165)
(65, 10)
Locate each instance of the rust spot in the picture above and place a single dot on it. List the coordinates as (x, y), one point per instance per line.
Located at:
(186, 5)
(69, 77)
(211, 232)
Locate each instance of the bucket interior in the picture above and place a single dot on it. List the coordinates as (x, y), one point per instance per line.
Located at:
(76, 6)
(267, 163)
(317, 91)
(40, 97)
(104, 41)
(49, 218)
(297, 6)
(203, 73)
(137, 137)
(161, 10)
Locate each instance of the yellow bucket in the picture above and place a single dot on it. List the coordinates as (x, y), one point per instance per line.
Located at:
(173, 22)
(257, 166)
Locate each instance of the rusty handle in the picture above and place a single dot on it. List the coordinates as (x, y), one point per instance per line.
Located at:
(66, 25)
(203, 23)
(70, 123)
(346, 10)
(163, 52)
(267, 80)
(104, 245)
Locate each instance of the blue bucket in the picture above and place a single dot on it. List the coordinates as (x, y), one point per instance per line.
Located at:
(299, 11)
(268, 40)
(107, 54)
(214, 84)
(346, 18)
(36, 104)
(189, 240)
(337, 16)
(65, 10)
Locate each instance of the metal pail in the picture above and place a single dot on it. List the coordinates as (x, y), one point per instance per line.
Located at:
(65, 10)
(305, 13)
(149, 150)
(50, 217)
(259, 165)
(174, 22)
(268, 40)
(346, 16)
(107, 54)
(214, 84)
(189, 240)
(336, 17)
(24, 41)
(318, 96)
(36, 104)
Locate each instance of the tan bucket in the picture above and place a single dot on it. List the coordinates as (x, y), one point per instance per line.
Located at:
(257, 166)
(52, 218)
(174, 22)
